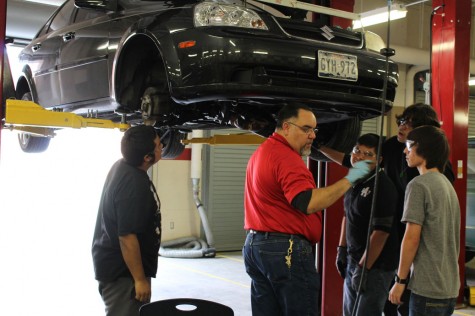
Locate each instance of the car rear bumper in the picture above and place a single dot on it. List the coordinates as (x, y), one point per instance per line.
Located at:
(224, 65)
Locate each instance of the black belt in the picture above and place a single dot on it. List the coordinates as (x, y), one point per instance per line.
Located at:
(273, 234)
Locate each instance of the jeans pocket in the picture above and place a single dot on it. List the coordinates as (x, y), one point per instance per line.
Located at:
(274, 263)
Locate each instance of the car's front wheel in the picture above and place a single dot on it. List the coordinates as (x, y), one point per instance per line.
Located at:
(30, 143)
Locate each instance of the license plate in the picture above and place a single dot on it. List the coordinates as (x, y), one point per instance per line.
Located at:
(337, 66)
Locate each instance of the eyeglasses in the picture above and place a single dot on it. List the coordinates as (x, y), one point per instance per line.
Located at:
(357, 151)
(403, 121)
(307, 130)
(410, 144)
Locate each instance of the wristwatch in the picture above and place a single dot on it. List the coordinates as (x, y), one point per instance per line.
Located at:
(397, 279)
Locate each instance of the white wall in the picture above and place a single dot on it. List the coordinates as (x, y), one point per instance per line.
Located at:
(48, 208)
(179, 215)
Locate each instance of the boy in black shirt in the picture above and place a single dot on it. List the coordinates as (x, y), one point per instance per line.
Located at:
(381, 258)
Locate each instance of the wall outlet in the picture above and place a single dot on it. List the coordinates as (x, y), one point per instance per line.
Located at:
(172, 225)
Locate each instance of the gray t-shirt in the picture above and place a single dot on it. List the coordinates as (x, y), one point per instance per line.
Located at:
(431, 201)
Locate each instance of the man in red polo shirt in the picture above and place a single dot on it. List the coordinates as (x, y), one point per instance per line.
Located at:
(283, 219)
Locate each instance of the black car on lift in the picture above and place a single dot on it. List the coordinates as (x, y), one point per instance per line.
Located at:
(185, 64)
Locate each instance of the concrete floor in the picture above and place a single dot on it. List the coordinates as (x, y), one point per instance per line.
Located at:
(223, 279)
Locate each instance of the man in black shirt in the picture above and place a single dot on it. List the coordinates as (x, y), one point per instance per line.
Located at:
(128, 227)
(396, 168)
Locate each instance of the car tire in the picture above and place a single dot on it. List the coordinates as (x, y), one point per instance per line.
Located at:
(29, 143)
(469, 254)
(172, 145)
(341, 136)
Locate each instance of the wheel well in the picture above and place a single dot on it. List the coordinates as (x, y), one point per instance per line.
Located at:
(136, 59)
(22, 88)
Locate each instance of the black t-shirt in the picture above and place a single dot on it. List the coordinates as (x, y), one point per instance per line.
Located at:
(129, 205)
(358, 201)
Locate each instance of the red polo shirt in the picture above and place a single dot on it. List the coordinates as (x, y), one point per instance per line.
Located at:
(275, 175)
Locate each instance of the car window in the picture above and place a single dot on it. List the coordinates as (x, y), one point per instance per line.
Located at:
(87, 14)
(63, 17)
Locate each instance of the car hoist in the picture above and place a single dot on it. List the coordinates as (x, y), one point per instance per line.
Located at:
(29, 117)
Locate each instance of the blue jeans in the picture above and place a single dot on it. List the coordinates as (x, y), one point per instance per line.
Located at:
(372, 300)
(422, 306)
(276, 288)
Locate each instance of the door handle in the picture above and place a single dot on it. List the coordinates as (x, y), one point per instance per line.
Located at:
(69, 36)
(35, 47)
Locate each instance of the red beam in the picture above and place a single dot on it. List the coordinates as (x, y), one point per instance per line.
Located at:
(3, 23)
(332, 283)
(345, 5)
(450, 72)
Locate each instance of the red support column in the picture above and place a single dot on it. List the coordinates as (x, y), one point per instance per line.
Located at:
(345, 5)
(3, 23)
(450, 72)
(332, 283)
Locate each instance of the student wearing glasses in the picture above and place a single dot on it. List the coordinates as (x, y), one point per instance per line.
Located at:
(431, 242)
(282, 216)
(374, 275)
(395, 166)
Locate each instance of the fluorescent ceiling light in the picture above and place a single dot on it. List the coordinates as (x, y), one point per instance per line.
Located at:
(380, 15)
(471, 81)
(55, 3)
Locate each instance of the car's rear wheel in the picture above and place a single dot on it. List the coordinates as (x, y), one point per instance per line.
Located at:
(28, 142)
(155, 106)
(340, 136)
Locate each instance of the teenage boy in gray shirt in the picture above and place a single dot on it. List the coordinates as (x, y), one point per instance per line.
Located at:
(431, 242)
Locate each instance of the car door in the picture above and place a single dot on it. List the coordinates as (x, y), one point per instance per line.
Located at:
(83, 66)
(41, 56)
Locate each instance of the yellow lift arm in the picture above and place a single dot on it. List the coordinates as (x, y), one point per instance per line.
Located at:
(230, 139)
(30, 117)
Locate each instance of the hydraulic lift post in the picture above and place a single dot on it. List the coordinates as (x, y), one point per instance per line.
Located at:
(450, 93)
(3, 25)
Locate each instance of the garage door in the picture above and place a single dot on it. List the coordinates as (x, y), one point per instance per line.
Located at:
(224, 169)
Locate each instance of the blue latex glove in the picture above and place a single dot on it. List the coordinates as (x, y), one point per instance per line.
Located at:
(359, 171)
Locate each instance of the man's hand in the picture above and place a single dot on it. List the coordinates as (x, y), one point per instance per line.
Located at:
(396, 293)
(341, 261)
(359, 171)
(359, 277)
(143, 291)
